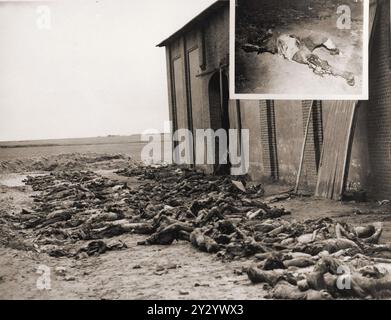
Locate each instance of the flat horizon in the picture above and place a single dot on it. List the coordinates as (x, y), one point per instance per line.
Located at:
(2, 142)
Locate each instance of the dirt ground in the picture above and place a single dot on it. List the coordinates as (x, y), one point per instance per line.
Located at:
(271, 74)
(178, 271)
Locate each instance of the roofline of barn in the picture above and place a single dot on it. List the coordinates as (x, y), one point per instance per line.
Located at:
(202, 16)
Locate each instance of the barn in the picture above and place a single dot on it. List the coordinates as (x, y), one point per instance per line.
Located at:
(357, 156)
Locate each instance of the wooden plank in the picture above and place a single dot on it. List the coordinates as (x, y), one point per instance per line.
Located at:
(348, 145)
(338, 138)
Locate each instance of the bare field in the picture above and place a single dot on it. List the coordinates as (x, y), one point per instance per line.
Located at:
(127, 145)
(132, 149)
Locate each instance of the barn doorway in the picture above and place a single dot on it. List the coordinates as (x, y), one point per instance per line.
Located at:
(219, 118)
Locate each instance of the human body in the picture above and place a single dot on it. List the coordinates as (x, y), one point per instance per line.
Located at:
(301, 51)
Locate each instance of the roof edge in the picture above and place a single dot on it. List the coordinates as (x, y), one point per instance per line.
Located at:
(209, 10)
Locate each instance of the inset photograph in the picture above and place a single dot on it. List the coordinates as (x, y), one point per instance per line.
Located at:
(299, 49)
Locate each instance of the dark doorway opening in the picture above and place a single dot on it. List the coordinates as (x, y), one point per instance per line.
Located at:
(219, 118)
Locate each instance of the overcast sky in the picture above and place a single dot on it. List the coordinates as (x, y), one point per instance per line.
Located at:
(94, 72)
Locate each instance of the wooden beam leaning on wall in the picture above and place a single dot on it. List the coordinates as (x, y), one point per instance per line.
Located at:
(336, 152)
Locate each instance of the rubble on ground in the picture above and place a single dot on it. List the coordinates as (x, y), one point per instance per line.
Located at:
(78, 213)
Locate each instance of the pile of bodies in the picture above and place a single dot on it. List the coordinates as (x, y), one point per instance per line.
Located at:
(294, 260)
(314, 259)
(323, 259)
(70, 206)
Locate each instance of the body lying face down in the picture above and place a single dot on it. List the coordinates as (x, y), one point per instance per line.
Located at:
(301, 50)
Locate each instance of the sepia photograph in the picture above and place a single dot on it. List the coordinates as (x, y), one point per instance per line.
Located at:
(299, 49)
(131, 169)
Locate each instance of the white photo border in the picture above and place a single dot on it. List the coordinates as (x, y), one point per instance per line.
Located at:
(255, 96)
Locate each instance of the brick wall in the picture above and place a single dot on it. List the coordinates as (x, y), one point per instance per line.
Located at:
(217, 39)
(251, 120)
(264, 128)
(379, 111)
(314, 143)
(268, 139)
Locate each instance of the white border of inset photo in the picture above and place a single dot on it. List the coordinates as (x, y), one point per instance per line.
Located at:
(254, 96)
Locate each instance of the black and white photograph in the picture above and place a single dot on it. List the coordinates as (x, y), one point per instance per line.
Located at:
(300, 49)
(129, 172)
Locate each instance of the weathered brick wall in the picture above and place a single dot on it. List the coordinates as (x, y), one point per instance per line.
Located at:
(289, 138)
(260, 117)
(195, 90)
(268, 139)
(379, 112)
(251, 120)
(314, 143)
(217, 39)
(217, 55)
